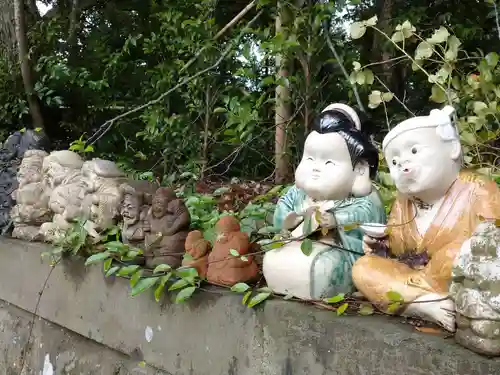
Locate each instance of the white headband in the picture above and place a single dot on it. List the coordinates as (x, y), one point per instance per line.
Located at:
(441, 119)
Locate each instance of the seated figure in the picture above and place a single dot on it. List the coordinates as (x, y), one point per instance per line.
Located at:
(198, 249)
(333, 188)
(63, 178)
(32, 198)
(225, 268)
(474, 288)
(169, 221)
(437, 209)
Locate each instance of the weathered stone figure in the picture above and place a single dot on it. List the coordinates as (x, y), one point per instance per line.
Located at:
(475, 288)
(32, 198)
(437, 210)
(333, 179)
(169, 223)
(11, 155)
(224, 268)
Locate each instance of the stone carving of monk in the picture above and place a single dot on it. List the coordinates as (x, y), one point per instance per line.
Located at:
(103, 196)
(169, 222)
(437, 209)
(32, 199)
(64, 182)
(334, 179)
(224, 268)
(134, 209)
(475, 289)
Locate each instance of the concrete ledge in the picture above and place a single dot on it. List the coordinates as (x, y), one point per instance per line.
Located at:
(214, 334)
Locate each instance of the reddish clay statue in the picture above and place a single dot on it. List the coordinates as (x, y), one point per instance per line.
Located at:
(198, 248)
(224, 268)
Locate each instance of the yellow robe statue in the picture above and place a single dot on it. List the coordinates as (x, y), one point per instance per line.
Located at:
(470, 200)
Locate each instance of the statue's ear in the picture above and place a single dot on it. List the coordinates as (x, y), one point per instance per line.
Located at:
(362, 184)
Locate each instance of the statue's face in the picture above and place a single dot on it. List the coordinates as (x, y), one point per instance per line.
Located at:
(54, 173)
(130, 209)
(419, 161)
(159, 205)
(325, 171)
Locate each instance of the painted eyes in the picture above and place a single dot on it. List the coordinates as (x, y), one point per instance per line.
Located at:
(414, 150)
(329, 162)
(309, 159)
(394, 162)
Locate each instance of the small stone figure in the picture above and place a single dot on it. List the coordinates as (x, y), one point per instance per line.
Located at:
(169, 222)
(11, 155)
(32, 198)
(225, 268)
(102, 194)
(475, 288)
(198, 248)
(134, 207)
(62, 175)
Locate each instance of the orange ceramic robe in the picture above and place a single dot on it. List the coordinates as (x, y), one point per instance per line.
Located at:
(468, 200)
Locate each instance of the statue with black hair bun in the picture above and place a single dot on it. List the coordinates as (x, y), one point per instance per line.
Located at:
(333, 189)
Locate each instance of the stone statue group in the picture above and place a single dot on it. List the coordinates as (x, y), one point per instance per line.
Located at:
(439, 249)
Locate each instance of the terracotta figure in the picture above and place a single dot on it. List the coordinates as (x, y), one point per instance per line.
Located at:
(198, 249)
(333, 179)
(169, 222)
(437, 209)
(225, 268)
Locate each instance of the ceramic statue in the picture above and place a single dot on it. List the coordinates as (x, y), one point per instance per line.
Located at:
(32, 198)
(11, 154)
(169, 222)
(102, 194)
(475, 288)
(136, 199)
(62, 175)
(198, 250)
(334, 180)
(225, 268)
(437, 209)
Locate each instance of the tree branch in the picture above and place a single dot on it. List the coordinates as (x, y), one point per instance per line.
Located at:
(104, 128)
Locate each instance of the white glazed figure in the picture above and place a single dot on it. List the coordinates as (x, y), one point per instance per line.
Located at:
(334, 180)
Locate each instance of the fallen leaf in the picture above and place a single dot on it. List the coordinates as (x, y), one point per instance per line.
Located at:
(432, 330)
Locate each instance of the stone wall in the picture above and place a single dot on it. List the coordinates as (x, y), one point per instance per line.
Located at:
(87, 324)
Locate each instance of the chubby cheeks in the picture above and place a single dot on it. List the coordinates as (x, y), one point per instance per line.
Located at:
(325, 171)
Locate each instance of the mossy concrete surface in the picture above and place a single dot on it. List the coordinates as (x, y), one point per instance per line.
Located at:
(92, 325)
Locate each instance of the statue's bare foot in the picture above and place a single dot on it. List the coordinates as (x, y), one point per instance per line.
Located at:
(437, 310)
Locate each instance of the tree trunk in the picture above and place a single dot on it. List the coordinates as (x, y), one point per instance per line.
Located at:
(7, 31)
(25, 62)
(380, 51)
(283, 113)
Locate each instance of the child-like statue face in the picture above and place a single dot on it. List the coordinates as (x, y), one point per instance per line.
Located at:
(325, 171)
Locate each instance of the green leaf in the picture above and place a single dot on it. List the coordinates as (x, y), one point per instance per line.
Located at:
(468, 138)
(393, 307)
(371, 21)
(492, 59)
(480, 107)
(369, 77)
(394, 296)
(97, 258)
(107, 264)
(161, 286)
(188, 273)
(423, 51)
(240, 288)
(245, 298)
(116, 246)
(135, 278)
(438, 95)
(184, 294)
(342, 308)
(374, 99)
(128, 270)
(89, 148)
(38, 130)
(143, 284)
(162, 268)
(244, 258)
(178, 284)
(398, 37)
(356, 66)
(255, 300)
(306, 246)
(440, 36)
(366, 309)
(335, 299)
(357, 30)
(234, 253)
(453, 47)
(387, 96)
(112, 271)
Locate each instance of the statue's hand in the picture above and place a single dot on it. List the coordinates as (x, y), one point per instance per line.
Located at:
(375, 246)
(292, 220)
(368, 244)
